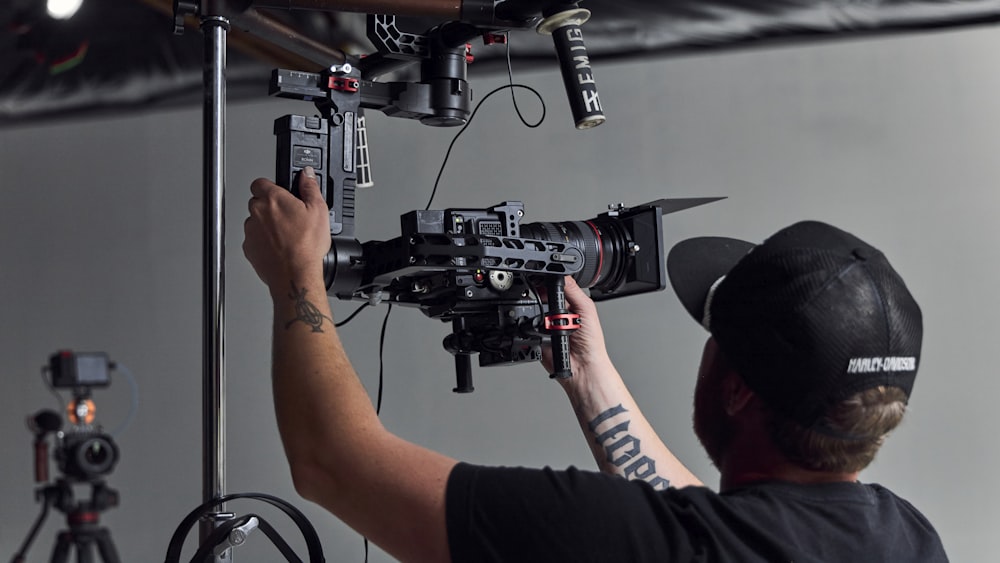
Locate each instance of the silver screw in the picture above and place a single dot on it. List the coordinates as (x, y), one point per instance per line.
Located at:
(345, 68)
(237, 537)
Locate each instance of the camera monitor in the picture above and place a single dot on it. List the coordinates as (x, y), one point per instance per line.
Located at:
(79, 369)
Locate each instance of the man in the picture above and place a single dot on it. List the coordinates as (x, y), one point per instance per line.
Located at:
(814, 347)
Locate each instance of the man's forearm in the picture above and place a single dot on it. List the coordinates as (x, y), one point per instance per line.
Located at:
(323, 411)
(620, 438)
(341, 456)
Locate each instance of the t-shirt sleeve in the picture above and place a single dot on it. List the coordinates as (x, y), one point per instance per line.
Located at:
(519, 514)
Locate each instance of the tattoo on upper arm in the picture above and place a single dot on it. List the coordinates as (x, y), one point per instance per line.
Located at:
(306, 311)
(623, 450)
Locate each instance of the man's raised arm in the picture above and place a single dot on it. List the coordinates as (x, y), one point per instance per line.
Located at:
(619, 436)
(340, 455)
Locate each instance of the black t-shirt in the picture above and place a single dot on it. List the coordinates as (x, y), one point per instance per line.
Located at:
(520, 515)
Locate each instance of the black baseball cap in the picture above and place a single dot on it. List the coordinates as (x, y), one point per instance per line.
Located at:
(809, 317)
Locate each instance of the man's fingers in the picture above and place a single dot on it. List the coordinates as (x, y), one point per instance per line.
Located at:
(264, 190)
(309, 190)
(262, 186)
(577, 299)
(570, 283)
(572, 289)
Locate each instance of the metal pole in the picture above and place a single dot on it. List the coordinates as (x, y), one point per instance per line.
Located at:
(214, 29)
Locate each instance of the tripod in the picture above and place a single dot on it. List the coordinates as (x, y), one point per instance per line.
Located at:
(83, 520)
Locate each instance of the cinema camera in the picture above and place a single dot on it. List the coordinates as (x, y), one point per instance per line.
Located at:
(476, 268)
(84, 454)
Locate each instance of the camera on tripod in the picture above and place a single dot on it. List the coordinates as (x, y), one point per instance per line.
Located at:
(83, 453)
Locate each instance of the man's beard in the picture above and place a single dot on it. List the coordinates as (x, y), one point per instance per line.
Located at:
(712, 424)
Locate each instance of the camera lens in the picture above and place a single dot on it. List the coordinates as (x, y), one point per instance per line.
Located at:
(86, 456)
(95, 456)
(602, 241)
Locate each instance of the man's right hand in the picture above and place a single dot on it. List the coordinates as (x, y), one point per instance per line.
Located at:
(586, 344)
(286, 238)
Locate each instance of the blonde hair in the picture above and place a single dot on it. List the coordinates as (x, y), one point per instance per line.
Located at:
(859, 424)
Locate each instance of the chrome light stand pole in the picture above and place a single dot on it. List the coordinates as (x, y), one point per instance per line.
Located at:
(214, 27)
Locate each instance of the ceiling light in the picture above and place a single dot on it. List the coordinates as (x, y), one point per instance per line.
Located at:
(63, 9)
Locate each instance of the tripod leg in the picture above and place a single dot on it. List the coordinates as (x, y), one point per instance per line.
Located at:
(60, 553)
(107, 548)
(84, 549)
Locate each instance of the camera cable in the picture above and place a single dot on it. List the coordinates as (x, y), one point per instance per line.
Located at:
(510, 85)
(351, 316)
(133, 404)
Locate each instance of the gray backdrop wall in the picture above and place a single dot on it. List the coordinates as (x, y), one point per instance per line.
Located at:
(893, 139)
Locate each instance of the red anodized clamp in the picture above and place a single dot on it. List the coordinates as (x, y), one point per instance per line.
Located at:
(343, 84)
(562, 321)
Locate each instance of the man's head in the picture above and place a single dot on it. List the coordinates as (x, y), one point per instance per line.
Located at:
(818, 325)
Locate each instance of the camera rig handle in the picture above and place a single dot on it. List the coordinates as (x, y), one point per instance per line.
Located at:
(559, 323)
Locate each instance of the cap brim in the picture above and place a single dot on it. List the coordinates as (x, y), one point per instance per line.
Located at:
(693, 265)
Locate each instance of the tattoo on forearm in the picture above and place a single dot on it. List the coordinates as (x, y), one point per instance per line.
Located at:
(306, 311)
(623, 450)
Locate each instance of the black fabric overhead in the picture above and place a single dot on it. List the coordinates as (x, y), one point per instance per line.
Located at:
(119, 54)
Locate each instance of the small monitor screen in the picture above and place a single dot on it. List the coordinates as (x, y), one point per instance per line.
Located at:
(92, 369)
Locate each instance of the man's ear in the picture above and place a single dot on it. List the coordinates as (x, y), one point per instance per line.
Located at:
(736, 392)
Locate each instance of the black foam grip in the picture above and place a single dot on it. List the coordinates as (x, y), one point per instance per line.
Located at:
(578, 76)
(558, 334)
(560, 356)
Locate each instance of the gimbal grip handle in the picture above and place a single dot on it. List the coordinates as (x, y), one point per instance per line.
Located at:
(561, 368)
(559, 322)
